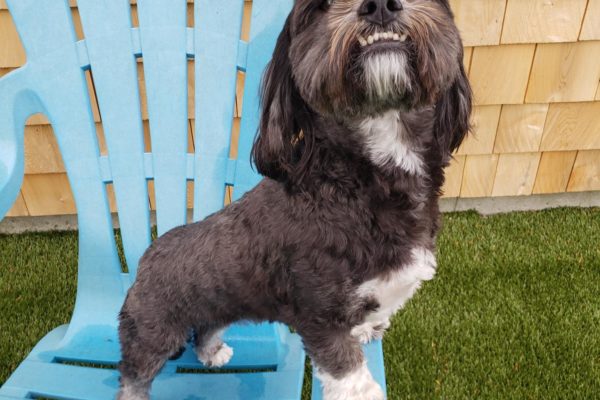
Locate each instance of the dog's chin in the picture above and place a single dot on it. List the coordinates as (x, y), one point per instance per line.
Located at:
(387, 76)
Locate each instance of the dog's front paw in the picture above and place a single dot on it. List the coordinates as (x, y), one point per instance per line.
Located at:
(216, 356)
(358, 385)
(370, 331)
(426, 262)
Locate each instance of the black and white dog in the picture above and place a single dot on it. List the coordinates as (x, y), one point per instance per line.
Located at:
(363, 104)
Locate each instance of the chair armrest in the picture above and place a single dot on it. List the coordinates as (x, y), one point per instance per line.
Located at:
(18, 102)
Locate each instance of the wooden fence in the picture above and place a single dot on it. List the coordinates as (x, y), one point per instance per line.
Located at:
(535, 70)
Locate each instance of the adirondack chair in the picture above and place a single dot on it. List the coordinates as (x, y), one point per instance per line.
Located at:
(78, 360)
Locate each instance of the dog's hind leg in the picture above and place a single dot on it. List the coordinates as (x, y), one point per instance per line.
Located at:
(210, 348)
(144, 352)
(340, 366)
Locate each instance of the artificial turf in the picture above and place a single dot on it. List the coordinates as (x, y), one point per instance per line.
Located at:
(514, 312)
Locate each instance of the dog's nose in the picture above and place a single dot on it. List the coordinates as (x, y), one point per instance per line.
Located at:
(380, 12)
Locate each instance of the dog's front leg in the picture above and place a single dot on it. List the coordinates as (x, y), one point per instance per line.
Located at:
(340, 366)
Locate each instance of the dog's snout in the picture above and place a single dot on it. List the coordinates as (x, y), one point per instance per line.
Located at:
(380, 12)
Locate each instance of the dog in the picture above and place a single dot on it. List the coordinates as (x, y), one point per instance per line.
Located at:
(363, 104)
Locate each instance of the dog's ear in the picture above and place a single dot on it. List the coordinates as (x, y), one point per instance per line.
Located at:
(452, 114)
(280, 145)
(447, 6)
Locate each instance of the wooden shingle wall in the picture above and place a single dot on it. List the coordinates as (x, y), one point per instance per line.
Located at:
(535, 70)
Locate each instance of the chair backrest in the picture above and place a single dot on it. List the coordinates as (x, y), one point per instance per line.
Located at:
(110, 49)
(55, 77)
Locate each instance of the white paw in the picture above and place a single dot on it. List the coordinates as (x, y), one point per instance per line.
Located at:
(370, 331)
(358, 385)
(216, 357)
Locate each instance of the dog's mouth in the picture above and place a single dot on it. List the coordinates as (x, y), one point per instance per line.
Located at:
(380, 39)
(382, 67)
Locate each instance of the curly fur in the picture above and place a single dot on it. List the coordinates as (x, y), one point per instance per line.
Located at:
(341, 231)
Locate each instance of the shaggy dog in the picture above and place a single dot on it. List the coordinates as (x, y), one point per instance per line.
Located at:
(363, 104)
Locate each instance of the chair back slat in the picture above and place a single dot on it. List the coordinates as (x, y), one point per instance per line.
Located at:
(30, 16)
(268, 17)
(107, 30)
(46, 30)
(163, 39)
(217, 38)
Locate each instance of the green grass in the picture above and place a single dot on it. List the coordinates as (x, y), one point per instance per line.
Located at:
(514, 312)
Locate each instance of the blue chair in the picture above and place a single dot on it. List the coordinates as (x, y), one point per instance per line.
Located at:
(78, 360)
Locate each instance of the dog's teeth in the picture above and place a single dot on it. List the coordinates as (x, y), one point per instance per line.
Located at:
(381, 36)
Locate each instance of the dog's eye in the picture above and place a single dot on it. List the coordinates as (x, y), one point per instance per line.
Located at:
(326, 4)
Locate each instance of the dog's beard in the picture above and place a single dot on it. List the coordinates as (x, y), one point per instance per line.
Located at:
(387, 76)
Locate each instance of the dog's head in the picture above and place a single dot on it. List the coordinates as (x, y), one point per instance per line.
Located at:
(353, 59)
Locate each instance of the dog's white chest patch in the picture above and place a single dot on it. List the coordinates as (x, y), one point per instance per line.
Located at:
(395, 290)
(386, 141)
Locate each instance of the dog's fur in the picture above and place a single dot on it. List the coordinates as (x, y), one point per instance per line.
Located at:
(352, 142)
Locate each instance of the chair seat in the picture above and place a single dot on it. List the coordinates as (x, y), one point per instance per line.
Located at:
(255, 346)
(70, 382)
(85, 369)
